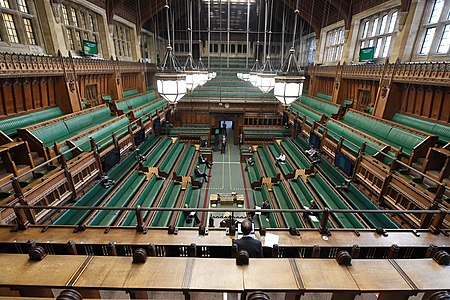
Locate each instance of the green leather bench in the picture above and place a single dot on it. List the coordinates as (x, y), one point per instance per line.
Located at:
(202, 168)
(284, 201)
(161, 218)
(191, 198)
(302, 111)
(171, 158)
(157, 153)
(323, 96)
(384, 132)
(125, 106)
(328, 109)
(121, 198)
(69, 126)
(300, 161)
(152, 108)
(130, 93)
(186, 161)
(268, 166)
(254, 175)
(356, 198)
(11, 124)
(441, 130)
(96, 194)
(259, 197)
(145, 200)
(286, 168)
(332, 200)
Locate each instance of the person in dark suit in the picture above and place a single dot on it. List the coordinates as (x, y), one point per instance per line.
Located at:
(251, 245)
(199, 173)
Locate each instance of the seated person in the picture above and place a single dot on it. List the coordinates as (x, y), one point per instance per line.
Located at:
(248, 243)
(251, 162)
(312, 152)
(281, 159)
(265, 205)
(199, 173)
(189, 215)
(204, 160)
(313, 206)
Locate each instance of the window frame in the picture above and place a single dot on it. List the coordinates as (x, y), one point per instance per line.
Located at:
(374, 33)
(439, 26)
(334, 44)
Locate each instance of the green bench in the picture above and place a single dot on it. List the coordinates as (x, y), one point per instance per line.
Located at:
(183, 167)
(300, 161)
(304, 198)
(11, 124)
(202, 168)
(324, 107)
(157, 153)
(129, 93)
(354, 141)
(166, 166)
(285, 202)
(387, 133)
(433, 128)
(145, 200)
(268, 166)
(323, 96)
(152, 108)
(161, 218)
(96, 194)
(302, 111)
(121, 198)
(254, 175)
(286, 168)
(126, 105)
(191, 198)
(356, 198)
(332, 200)
(259, 197)
(66, 127)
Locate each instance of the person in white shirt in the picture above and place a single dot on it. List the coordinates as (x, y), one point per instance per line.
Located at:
(281, 159)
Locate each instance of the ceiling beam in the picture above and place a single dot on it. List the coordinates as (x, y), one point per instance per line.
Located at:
(306, 15)
(344, 10)
(111, 7)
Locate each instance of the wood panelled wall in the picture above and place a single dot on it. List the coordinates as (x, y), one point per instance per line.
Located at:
(351, 89)
(129, 81)
(426, 101)
(20, 95)
(324, 85)
(100, 80)
(185, 117)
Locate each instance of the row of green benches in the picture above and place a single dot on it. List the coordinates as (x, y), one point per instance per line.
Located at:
(10, 125)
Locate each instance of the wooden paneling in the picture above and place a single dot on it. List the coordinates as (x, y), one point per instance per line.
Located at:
(426, 101)
(324, 85)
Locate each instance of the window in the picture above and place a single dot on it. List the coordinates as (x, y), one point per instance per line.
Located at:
(74, 18)
(22, 4)
(378, 31)
(435, 37)
(122, 40)
(10, 28)
(29, 31)
(4, 3)
(334, 44)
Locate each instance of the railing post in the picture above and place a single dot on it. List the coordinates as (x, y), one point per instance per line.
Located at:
(21, 218)
(323, 222)
(139, 219)
(437, 222)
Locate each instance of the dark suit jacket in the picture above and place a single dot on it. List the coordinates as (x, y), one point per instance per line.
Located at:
(253, 247)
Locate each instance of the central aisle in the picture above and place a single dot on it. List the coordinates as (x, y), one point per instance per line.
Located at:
(227, 176)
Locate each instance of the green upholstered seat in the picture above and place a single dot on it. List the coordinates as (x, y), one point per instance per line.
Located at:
(171, 158)
(170, 198)
(268, 166)
(185, 163)
(130, 93)
(299, 160)
(254, 174)
(286, 168)
(442, 131)
(323, 96)
(327, 109)
(10, 125)
(157, 153)
(284, 201)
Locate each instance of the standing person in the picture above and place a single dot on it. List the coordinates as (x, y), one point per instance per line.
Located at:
(241, 139)
(248, 243)
(224, 129)
(224, 144)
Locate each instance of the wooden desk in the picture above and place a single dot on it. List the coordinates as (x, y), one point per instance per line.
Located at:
(325, 275)
(53, 270)
(281, 275)
(426, 273)
(223, 275)
(120, 273)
